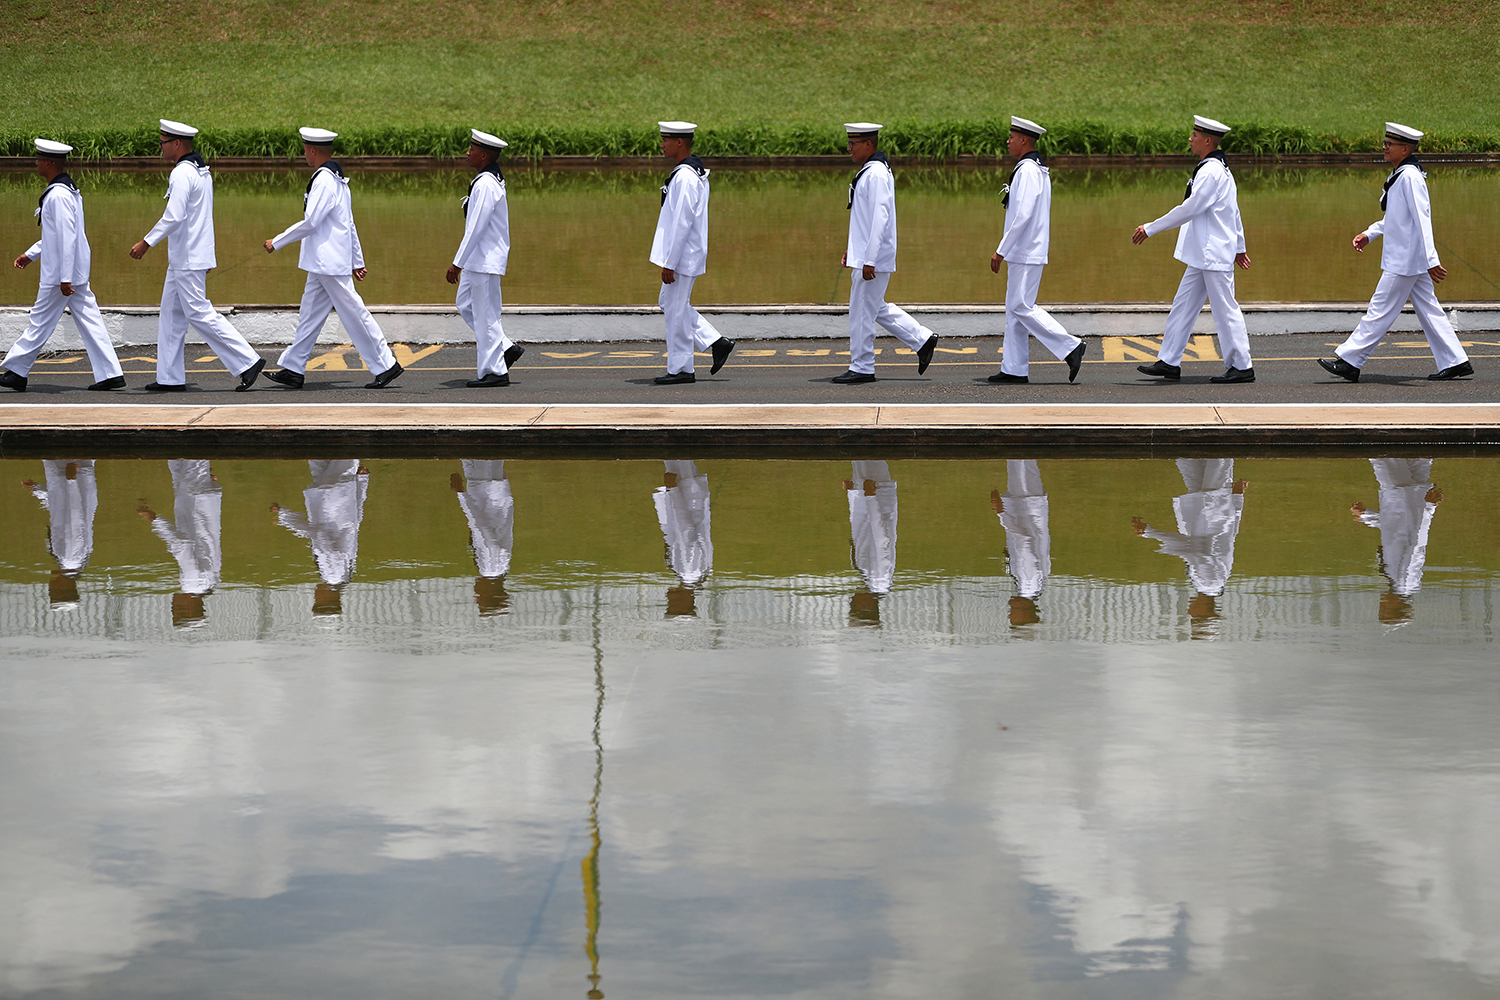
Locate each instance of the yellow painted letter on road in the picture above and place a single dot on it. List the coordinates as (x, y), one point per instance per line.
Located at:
(333, 361)
(1201, 348)
(406, 357)
(1130, 348)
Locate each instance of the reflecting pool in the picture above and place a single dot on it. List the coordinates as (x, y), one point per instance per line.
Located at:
(548, 728)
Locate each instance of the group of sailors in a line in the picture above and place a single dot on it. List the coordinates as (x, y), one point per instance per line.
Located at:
(1208, 516)
(1210, 244)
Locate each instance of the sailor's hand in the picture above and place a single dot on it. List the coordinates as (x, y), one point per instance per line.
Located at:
(1139, 236)
(869, 272)
(1242, 261)
(1240, 486)
(22, 261)
(276, 508)
(1139, 524)
(1438, 273)
(456, 483)
(66, 287)
(1357, 508)
(1434, 496)
(668, 276)
(359, 274)
(1360, 242)
(453, 272)
(844, 259)
(996, 504)
(139, 250)
(270, 247)
(146, 513)
(995, 262)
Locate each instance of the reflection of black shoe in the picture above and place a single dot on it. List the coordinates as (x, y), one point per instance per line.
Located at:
(852, 377)
(1075, 360)
(721, 349)
(1235, 375)
(513, 354)
(1341, 368)
(249, 375)
(1160, 369)
(675, 378)
(163, 387)
(104, 385)
(486, 380)
(13, 381)
(924, 354)
(1457, 371)
(1007, 377)
(386, 377)
(286, 377)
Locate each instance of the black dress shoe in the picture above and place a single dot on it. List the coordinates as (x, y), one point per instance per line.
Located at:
(1160, 369)
(386, 377)
(1007, 377)
(721, 349)
(852, 377)
(513, 354)
(1341, 368)
(1457, 371)
(249, 375)
(675, 378)
(286, 377)
(1075, 360)
(13, 381)
(104, 385)
(1235, 375)
(163, 387)
(924, 354)
(486, 380)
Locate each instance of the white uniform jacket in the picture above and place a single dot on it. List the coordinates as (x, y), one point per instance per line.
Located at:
(1207, 522)
(193, 535)
(681, 240)
(330, 243)
(335, 507)
(872, 216)
(1404, 519)
(486, 243)
(1211, 232)
(188, 223)
(64, 247)
(1028, 213)
(1407, 227)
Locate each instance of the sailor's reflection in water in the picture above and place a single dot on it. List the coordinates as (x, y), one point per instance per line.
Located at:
(1022, 509)
(484, 494)
(682, 510)
(1407, 502)
(872, 537)
(1208, 518)
(335, 506)
(69, 497)
(192, 536)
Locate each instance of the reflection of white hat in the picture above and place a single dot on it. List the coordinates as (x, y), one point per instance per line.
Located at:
(46, 147)
(862, 130)
(317, 136)
(677, 130)
(1402, 132)
(176, 130)
(1026, 127)
(485, 140)
(1209, 125)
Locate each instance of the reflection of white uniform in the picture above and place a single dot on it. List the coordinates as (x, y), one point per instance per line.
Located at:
(70, 504)
(872, 526)
(193, 534)
(683, 513)
(1023, 515)
(1404, 518)
(335, 505)
(491, 512)
(1208, 518)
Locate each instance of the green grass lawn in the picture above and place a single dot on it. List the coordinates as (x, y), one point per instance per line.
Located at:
(760, 76)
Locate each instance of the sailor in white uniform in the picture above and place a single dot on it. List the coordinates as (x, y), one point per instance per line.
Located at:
(483, 493)
(480, 262)
(332, 257)
(1409, 266)
(680, 249)
(1208, 519)
(335, 507)
(192, 536)
(871, 256)
(1023, 250)
(1211, 243)
(70, 496)
(1023, 513)
(872, 534)
(64, 253)
(682, 510)
(188, 226)
(1407, 502)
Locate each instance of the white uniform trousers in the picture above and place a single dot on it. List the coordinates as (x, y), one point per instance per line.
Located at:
(184, 303)
(867, 307)
(479, 304)
(1229, 320)
(686, 327)
(1024, 317)
(1390, 295)
(45, 316)
(323, 294)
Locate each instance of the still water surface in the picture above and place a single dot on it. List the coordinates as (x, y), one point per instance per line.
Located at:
(1055, 728)
(776, 236)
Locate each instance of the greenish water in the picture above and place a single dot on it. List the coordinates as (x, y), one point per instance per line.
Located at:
(776, 236)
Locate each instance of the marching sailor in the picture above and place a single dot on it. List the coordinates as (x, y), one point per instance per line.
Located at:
(1407, 502)
(680, 249)
(1023, 512)
(682, 511)
(484, 496)
(1208, 519)
(335, 502)
(70, 498)
(1023, 250)
(1409, 267)
(192, 536)
(872, 536)
(871, 255)
(1211, 243)
(188, 226)
(330, 255)
(64, 253)
(480, 261)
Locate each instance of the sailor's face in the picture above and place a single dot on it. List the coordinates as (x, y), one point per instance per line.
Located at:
(1395, 151)
(861, 150)
(1016, 145)
(309, 153)
(477, 157)
(672, 146)
(1201, 143)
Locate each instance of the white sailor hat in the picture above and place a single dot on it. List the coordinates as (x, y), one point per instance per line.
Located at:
(1209, 125)
(1403, 133)
(677, 130)
(486, 141)
(317, 136)
(1026, 127)
(176, 130)
(862, 130)
(56, 150)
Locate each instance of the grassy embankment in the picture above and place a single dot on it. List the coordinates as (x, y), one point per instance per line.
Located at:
(762, 76)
